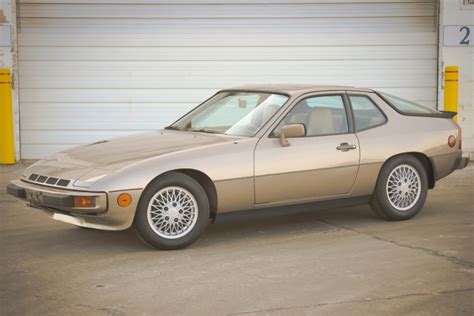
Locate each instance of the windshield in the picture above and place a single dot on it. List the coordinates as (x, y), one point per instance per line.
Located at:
(232, 113)
(405, 106)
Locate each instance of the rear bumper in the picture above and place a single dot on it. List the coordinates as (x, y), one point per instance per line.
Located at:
(446, 164)
(462, 162)
(106, 214)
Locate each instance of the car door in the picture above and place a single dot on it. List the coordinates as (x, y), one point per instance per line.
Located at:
(324, 163)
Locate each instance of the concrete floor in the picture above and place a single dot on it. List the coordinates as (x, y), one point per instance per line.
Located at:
(280, 262)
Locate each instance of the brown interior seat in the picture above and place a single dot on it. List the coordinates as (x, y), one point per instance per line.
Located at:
(320, 122)
(300, 118)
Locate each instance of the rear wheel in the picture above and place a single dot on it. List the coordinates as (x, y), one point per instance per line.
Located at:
(172, 212)
(401, 189)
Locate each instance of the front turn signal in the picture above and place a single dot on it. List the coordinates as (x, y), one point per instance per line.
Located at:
(84, 201)
(124, 199)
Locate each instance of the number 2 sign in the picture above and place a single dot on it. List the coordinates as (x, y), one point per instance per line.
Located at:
(458, 35)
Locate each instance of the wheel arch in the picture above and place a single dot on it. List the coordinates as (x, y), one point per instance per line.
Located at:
(203, 179)
(425, 161)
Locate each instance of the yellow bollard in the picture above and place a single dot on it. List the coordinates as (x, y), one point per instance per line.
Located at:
(451, 74)
(7, 147)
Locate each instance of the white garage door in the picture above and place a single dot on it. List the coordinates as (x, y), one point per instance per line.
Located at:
(93, 70)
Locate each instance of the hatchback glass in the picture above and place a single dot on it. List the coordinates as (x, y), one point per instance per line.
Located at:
(405, 106)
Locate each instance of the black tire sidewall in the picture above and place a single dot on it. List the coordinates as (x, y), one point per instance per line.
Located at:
(141, 219)
(388, 210)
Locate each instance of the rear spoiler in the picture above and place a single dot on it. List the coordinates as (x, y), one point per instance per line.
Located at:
(448, 114)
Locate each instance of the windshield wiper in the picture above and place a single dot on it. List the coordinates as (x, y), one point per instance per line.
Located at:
(204, 130)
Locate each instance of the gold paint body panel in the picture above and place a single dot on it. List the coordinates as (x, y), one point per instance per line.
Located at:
(235, 194)
(311, 167)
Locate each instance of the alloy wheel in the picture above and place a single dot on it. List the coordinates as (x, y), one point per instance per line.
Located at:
(172, 212)
(403, 187)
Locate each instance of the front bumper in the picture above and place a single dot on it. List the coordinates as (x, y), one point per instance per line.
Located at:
(56, 199)
(59, 204)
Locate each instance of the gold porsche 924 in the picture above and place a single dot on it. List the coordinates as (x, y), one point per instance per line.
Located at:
(246, 148)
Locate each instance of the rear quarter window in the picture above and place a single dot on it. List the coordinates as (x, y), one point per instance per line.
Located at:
(366, 113)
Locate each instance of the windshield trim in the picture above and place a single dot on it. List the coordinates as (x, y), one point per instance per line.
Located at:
(234, 90)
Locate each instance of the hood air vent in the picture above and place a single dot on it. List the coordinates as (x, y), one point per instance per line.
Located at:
(49, 180)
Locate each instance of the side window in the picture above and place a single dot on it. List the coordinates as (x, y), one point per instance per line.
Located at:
(321, 115)
(366, 113)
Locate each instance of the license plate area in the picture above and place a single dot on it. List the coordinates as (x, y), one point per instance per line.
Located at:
(46, 199)
(35, 197)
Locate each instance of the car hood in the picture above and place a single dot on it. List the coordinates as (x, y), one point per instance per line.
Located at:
(93, 161)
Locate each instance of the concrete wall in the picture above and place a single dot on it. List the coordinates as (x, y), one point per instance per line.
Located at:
(8, 58)
(455, 12)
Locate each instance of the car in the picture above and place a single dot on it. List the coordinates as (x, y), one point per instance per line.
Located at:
(251, 147)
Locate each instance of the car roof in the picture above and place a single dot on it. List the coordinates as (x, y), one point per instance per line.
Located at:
(296, 89)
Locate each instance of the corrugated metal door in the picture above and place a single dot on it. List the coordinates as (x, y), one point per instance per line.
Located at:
(105, 68)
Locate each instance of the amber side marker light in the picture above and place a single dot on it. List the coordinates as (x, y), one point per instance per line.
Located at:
(84, 201)
(124, 199)
(452, 141)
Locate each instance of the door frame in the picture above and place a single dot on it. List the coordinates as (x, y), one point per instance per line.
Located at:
(277, 118)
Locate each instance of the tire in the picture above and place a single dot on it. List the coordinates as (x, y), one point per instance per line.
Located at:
(173, 212)
(401, 190)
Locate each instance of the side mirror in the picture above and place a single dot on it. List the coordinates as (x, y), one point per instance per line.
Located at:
(289, 131)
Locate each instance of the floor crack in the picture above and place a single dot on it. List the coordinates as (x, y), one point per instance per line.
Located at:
(354, 301)
(432, 252)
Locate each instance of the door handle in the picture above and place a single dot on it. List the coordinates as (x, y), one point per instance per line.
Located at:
(345, 147)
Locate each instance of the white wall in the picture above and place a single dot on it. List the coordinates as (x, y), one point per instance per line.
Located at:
(8, 58)
(454, 13)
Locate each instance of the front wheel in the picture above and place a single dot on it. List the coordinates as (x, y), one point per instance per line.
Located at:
(401, 189)
(173, 212)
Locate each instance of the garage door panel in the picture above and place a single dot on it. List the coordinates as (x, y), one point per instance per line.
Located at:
(224, 53)
(221, 27)
(71, 137)
(40, 150)
(220, 1)
(185, 96)
(210, 11)
(243, 25)
(215, 74)
(216, 78)
(360, 81)
(259, 66)
(96, 117)
(235, 40)
(75, 95)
